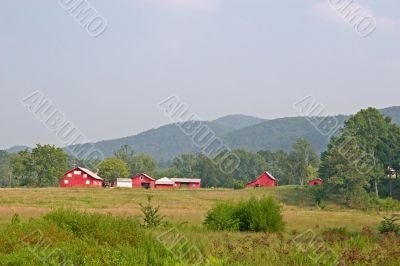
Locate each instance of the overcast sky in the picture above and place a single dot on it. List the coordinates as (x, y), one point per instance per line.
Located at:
(254, 57)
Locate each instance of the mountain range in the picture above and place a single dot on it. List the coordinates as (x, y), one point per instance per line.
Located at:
(236, 131)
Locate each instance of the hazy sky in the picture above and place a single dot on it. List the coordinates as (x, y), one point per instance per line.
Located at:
(219, 56)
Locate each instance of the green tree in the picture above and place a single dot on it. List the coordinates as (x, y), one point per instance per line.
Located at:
(143, 163)
(151, 215)
(126, 154)
(5, 169)
(43, 167)
(302, 156)
(356, 160)
(112, 168)
(185, 164)
(50, 164)
(311, 173)
(208, 172)
(278, 164)
(22, 165)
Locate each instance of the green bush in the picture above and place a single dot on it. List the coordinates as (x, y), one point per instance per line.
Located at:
(68, 237)
(237, 184)
(252, 215)
(221, 218)
(389, 225)
(389, 204)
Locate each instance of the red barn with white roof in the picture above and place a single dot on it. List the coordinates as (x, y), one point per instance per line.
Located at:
(142, 181)
(81, 177)
(165, 182)
(264, 180)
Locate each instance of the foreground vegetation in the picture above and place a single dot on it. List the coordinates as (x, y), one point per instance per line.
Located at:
(111, 231)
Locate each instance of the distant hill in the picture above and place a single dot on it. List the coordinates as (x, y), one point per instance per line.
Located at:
(237, 131)
(279, 134)
(393, 112)
(17, 148)
(163, 143)
(239, 121)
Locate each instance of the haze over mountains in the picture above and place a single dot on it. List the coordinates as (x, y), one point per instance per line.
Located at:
(237, 131)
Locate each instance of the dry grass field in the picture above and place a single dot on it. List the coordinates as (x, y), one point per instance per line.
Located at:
(348, 236)
(179, 205)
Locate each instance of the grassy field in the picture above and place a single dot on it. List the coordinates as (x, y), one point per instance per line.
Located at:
(178, 206)
(186, 210)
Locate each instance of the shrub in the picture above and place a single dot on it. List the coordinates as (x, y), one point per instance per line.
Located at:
(389, 225)
(389, 204)
(237, 184)
(68, 237)
(318, 194)
(221, 218)
(151, 216)
(252, 215)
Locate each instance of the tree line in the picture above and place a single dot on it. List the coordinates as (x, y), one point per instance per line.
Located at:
(46, 164)
(363, 160)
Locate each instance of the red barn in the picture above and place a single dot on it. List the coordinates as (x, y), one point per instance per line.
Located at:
(142, 181)
(191, 183)
(317, 181)
(81, 177)
(264, 180)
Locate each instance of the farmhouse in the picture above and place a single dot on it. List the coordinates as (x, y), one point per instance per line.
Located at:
(81, 177)
(264, 180)
(142, 181)
(317, 181)
(165, 182)
(187, 182)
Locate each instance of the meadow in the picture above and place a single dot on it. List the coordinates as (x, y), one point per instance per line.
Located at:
(338, 235)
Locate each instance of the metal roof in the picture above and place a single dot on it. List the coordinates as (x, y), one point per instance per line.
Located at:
(138, 175)
(124, 180)
(164, 181)
(186, 180)
(271, 176)
(87, 171)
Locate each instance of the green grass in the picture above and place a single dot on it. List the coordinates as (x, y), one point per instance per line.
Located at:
(117, 239)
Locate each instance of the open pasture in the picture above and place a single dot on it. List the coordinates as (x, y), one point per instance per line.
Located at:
(179, 206)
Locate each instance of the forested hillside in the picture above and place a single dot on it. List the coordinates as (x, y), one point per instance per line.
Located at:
(237, 131)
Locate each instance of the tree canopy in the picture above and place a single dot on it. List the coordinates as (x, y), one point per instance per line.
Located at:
(356, 160)
(44, 166)
(113, 168)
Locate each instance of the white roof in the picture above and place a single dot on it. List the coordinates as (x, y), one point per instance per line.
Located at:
(124, 180)
(270, 175)
(164, 181)
(186, 180)
(87, 171)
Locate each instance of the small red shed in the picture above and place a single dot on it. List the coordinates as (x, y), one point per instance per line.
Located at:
(81, 177)
(317, 181)
(190, 183)
(142, 181)
(264, 180)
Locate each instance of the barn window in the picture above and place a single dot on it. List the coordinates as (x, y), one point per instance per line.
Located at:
(84, 175)
(87, 182)
(66, 181)
(141, 177)
(69, 175)
(77, 172)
